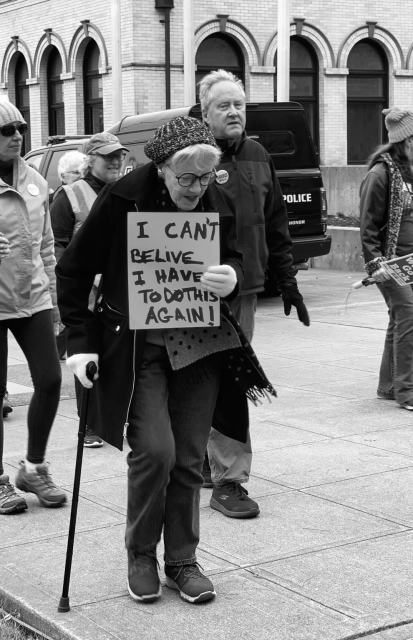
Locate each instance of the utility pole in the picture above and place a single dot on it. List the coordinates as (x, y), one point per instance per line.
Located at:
(116, 61)
(283, 52)
(189, 53)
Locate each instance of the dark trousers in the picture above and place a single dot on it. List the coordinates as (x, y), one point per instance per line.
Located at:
(35, 337)
(396, 369)
(169, 423)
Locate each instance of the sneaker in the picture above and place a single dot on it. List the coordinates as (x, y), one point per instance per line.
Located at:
(206, 473)
(385, 395)
(143, 579)
(232, 500)
(92, 440)
(40, 483)
(192, 585)
(7, 408)
(407, 405)
(10, 502)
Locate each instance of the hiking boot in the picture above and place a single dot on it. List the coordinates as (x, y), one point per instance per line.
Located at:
(7, 408)
(232, 500)
(192, 585)
(206, 473)
(10, 502)
(92, 440)
(385, 395)
(40, 483)
(143, 579)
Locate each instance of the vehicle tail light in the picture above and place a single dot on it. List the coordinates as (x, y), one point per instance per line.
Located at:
(323, 199)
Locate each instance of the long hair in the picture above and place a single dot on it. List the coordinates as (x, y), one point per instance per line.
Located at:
(398, 154)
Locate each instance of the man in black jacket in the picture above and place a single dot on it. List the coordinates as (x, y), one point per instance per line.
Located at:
(246, 170)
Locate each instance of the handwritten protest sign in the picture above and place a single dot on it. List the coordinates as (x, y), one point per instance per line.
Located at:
(400, 269)
(167, 255)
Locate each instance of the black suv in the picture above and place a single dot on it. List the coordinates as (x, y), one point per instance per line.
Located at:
(280, 127)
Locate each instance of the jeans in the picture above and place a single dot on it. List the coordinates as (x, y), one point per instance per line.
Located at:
(169, 423)
(35, 337)
(229, 459)
(396, 370)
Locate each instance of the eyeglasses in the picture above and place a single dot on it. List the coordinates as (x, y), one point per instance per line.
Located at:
(8, 130)
(188, 179)
(117, 155)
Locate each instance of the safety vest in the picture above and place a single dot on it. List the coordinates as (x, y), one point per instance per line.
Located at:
(81, 197)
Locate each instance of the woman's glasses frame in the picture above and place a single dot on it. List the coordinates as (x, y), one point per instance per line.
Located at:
(188, 179)
(9, 130)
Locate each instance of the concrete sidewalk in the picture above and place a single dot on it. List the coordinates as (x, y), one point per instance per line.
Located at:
(329, 558)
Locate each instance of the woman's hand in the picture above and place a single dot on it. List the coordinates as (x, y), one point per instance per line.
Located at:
(77, 365)
(4, 246)
(380, 275)
(220, 280)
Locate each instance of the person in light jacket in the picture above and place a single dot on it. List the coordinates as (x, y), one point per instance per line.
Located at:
(27, 302)
(386, 226)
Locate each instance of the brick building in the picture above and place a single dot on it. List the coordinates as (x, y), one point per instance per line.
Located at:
(349, 60)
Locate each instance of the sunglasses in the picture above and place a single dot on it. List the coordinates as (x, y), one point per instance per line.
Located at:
(8, 130)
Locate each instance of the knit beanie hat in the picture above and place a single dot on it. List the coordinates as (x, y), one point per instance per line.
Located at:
(9, 113)
(175, 135)
(399, 123)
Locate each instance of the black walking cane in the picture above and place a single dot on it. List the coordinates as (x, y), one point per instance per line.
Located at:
(64, 606)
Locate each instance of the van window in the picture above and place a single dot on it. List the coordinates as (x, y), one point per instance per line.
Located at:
(35, 160)
(275, 142)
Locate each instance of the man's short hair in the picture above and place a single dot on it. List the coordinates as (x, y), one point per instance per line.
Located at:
(208, 82)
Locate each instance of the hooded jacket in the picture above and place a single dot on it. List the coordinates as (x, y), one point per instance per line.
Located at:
(27, 276)
(100, 246)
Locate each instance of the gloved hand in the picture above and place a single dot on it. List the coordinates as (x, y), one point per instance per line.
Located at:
(77, 365)
(293, 298)
(220, 280)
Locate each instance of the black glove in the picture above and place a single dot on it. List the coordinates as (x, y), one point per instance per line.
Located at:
(293, 298)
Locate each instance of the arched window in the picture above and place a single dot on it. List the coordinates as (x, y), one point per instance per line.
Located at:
(93, 90)
(22, 97)
(219, 52)
(55, 94)
(367, 96)
(303, 81)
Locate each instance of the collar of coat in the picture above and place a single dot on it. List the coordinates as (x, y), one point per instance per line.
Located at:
(140, 186)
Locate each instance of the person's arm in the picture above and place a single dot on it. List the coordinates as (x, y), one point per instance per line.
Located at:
(278, 239)
(374, 203)
(86, 256)
(48, 256)
(63, 222)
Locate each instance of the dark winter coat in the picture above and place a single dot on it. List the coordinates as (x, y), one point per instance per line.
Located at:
(100, 246)
(262, 221)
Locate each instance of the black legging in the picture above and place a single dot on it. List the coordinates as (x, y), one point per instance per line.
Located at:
(35, 337)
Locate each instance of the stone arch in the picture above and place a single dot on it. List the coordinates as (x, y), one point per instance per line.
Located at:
(409, 58)
(9, 60)
(243, 37)
(315, 37)
(389, 43)
(49, 39)
(79, 43)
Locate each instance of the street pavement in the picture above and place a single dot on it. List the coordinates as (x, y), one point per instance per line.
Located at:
(330, 557)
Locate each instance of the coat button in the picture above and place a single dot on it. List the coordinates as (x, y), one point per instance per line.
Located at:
(117, 328)
(100, 309)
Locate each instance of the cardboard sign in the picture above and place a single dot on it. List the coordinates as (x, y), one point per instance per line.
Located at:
(167, 255)
(400, 269)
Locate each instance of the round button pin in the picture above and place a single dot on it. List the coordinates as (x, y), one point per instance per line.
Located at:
(222, 176)
(33, 190)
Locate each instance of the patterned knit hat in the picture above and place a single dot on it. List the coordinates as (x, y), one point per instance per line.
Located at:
(9, 113)
(399, 123)
(175, 135)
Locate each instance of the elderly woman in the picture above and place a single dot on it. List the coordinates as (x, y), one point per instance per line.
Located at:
(101, 165)
(27, 308)
(69, 166)
(165, 408)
